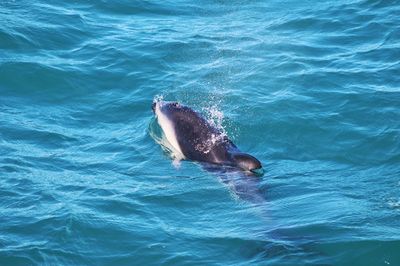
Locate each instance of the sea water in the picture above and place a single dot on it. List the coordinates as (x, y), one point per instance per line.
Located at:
(310, 88)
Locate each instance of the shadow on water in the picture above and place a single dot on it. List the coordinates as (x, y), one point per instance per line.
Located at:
(243, 185)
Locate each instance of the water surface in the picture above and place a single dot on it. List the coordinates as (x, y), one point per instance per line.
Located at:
(311, 89)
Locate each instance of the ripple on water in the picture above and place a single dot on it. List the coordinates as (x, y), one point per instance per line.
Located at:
(309, 88)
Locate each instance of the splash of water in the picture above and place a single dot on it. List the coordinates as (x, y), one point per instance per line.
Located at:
(215, 117)
(158, 98)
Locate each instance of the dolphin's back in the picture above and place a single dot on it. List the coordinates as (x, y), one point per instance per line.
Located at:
(198, 139)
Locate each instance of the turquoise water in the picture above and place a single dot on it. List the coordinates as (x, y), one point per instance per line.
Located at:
(311, 89)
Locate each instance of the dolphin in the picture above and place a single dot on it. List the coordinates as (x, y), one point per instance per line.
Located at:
(196, 139)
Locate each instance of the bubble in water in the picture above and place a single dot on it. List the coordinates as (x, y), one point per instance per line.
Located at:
(158, 98)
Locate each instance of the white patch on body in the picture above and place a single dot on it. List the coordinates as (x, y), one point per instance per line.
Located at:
(169, 132)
